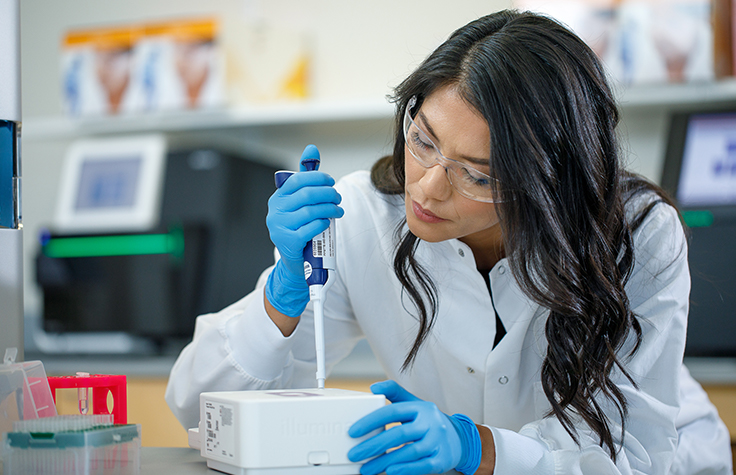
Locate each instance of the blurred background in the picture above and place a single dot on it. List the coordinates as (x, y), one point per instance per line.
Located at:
(168, 118)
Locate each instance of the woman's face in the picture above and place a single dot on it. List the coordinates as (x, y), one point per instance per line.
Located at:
(435, 211)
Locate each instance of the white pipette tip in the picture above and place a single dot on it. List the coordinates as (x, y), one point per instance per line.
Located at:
(319, 332)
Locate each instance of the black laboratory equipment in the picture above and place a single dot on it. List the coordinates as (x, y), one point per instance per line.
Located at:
(700, 172)
(144, 240)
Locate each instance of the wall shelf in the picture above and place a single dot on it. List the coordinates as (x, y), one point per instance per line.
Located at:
(294, 113)
(677, 95)
(656, 96)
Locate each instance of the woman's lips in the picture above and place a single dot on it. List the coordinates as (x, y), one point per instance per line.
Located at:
(424, 215)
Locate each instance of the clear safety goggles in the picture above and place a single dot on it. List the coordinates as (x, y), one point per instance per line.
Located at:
(470, 182)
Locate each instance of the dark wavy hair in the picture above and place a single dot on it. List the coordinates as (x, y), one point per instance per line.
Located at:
(563, 192)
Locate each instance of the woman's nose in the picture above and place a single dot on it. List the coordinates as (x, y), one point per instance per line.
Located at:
(435, 183)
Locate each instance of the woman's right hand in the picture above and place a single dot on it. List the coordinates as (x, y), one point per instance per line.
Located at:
(297, 212)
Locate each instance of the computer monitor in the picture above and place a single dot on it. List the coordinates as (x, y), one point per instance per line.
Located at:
(700, 165)
(111, 185)
(700, 172)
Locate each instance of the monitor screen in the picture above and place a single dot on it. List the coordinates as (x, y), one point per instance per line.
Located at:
(700, 172)
(108, 183)
(708, 169)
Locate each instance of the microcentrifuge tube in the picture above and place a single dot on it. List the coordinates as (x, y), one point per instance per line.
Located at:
(82, 394)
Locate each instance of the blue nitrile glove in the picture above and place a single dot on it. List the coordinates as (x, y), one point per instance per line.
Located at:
(436, 442)
(297, 212)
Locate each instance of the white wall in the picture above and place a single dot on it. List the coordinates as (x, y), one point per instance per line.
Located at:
(362, 48)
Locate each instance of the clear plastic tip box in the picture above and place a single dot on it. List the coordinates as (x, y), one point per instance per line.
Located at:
(63, 445)
(24, 392)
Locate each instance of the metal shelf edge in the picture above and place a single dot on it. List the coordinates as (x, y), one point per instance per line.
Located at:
(50, 128)
(309, 112)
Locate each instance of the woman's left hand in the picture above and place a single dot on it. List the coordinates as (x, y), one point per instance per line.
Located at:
(428, 440)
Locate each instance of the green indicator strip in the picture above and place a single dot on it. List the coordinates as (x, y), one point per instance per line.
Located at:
(697, 219)
(125, 245)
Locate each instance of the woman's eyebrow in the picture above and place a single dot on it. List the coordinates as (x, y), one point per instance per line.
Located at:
(428, 126)
(430, 130)
(477, 161)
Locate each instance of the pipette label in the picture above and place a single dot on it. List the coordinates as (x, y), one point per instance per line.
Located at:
(323, 245)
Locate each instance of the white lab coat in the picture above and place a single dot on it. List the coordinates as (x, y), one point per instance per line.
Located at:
(240, 348)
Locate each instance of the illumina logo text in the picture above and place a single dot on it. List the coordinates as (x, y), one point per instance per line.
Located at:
(293, 428)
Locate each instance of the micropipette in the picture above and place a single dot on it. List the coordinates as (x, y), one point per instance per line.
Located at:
(319, 266)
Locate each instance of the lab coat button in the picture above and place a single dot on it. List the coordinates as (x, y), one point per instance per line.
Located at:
(502, 270)
(503, 379)
(318, 458)
(470, 370)
(461, 252)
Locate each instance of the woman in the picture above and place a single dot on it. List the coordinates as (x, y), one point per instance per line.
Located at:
(527, 284)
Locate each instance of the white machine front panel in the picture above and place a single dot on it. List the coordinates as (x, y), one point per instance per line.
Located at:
(282, 428)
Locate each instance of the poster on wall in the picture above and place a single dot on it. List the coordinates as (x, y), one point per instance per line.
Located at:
(641, 41)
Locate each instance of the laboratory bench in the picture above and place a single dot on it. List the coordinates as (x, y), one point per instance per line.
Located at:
(169, 461)
(147, 377)
(172, 461)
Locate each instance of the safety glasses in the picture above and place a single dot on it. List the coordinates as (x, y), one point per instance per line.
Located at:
(470, 182)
